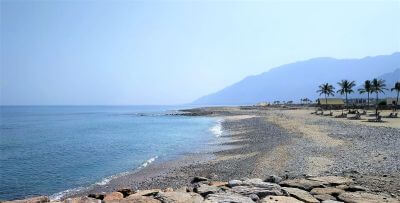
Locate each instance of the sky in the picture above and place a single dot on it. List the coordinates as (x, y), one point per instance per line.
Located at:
(77, 52)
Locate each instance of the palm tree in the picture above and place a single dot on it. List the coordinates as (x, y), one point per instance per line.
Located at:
(397, 89)
(327, 90)
(346, 88)
(367, 88)
(378, 86)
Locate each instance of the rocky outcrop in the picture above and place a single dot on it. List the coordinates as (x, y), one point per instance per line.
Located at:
(327, 189)
(113, 196)
(300, 195)
(365, 198)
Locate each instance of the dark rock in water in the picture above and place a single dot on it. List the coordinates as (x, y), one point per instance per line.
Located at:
(273, 179)
(125, 191)
(195, 112)
(96, 196)
(199, 179)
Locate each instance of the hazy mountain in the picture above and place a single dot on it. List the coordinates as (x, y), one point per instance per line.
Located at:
(390, 79)
(301, 79)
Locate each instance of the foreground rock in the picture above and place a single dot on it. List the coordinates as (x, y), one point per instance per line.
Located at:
(301, 195)
(327, 189)
(280, 199)
(39, 199)
(365, 197)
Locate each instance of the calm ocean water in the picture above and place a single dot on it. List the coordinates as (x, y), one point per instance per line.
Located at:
(51, 150)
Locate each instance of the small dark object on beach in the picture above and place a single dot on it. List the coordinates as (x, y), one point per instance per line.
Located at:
(199, 179)
(273, 179)
(125, 191)
(96, 196)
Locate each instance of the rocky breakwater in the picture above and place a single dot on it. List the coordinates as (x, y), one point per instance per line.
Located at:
(326, 189)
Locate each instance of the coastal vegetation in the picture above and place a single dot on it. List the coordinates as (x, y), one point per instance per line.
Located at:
(326, 90)
(374, 86)
(397, 89)
(378, 86)
(346, 87)
(367, 88)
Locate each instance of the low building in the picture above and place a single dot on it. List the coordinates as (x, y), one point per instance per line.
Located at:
(263, 104)
(335, 102)
(391, 101)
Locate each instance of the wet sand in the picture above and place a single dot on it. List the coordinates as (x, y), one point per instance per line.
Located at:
(289, 143)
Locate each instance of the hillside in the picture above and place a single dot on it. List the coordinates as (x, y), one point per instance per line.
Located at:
(301, 79)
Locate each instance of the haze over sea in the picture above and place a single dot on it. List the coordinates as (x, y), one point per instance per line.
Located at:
(52, 150)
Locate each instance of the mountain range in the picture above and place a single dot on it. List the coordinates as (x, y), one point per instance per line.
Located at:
(301, 79)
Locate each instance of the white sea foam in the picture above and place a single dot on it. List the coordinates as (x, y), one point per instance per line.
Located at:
(60, 195)
(217, 128)
(146, 163)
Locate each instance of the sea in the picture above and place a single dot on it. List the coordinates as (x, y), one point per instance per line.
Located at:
(57, 150)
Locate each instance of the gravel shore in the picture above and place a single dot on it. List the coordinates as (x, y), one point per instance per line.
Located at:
(288, 143)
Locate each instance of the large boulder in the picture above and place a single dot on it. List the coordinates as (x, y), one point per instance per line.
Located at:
(329, 191)
(137, 199)
(218, 183)
(233, 183)
(145, 192)
(302, 184)
(333, 180)
(125, 191)
(363, 197)
(273, 179)
(324, 197)
(179, 197)
(351, 188)
(227, 198)
(204, 189)
(113, 196)
(280, 199)
(261, 192)
(256, 182)
(82, 200)
(199, 179)
(300, 195)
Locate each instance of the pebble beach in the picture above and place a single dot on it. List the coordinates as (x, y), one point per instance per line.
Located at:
(291, 144)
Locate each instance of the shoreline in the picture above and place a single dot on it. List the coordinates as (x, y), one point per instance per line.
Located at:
(258, 143)
(290, 143)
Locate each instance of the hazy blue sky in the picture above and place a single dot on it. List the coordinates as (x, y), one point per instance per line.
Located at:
(133, 52)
